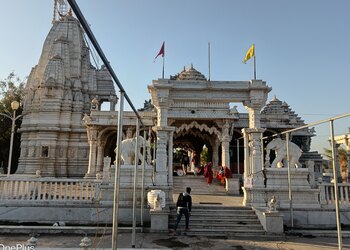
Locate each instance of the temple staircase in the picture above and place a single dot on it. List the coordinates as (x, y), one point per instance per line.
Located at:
(214, 213)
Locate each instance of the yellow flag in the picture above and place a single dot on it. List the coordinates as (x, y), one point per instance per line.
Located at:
(250, 53)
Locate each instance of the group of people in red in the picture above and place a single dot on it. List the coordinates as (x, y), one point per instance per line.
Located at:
(220, 174)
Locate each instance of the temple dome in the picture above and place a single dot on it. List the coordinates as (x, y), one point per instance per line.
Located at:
(191, 74)
(280, 112)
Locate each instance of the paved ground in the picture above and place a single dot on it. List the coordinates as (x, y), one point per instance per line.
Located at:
(164, 241)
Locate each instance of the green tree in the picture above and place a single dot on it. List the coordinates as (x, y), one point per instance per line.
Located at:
(11, 89)
(342, 158)
(204, 156)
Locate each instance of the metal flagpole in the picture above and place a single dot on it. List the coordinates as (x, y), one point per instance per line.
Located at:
(289, 183)
(136, 163)
(335, 178)
(117, 173)
(209, 61)
(163, 63)
(254, 65)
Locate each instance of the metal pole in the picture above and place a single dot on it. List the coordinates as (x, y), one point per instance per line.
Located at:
(208, 61)
(335, 177)
(238, 172)
(143, 177)
(163, 66)
(136, 163)
(11, 143)
(254, 66)
(117, 173)
(262, 152)
(289, 184)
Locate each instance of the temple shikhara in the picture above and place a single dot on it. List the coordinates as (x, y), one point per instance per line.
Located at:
(68, 144)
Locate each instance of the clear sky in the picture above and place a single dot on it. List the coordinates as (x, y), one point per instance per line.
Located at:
(302, 46)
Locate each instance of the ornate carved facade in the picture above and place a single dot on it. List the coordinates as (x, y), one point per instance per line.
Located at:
(58, 93)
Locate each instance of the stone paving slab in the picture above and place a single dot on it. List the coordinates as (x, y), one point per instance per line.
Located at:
(165, 241)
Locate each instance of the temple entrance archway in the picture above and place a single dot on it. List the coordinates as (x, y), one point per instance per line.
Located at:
(193, 140)
(188, 148)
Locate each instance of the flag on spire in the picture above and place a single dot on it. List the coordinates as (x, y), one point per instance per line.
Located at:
(161, 52)
(250, 53)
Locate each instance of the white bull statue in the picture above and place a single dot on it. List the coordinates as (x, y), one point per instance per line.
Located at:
(128, 150)
(279, 146)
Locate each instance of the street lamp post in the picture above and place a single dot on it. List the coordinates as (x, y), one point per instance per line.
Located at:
(14, 106)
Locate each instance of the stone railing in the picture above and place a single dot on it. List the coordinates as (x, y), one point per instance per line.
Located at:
(49, 189)
(327, 196)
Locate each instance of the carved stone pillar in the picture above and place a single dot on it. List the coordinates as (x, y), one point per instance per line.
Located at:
(161, 174)
(256, 164)
(252, 136)
(92, 137)
(215, 146)
(253, 176)
(247, 171)
(100, 154)
(225, 153)
(170, 158)
(225, 145)
(254, 188)
(257, 99)
(162, 113)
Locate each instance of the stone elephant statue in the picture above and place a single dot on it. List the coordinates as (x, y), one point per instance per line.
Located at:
(128, 150)
(279, 146)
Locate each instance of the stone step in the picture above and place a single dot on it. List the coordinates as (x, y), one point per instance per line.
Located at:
(214, 208)
(222, 230)
(244, 220)
(208, 216)
(223, 210)
(214, 220)
(220, 233)
(220, 224)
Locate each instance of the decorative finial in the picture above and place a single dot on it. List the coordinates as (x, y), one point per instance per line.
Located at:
(272, 204)
(70, 12)
(54, 11)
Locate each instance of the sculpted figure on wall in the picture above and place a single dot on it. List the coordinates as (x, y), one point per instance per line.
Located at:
(128, 150)
(279, 146)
